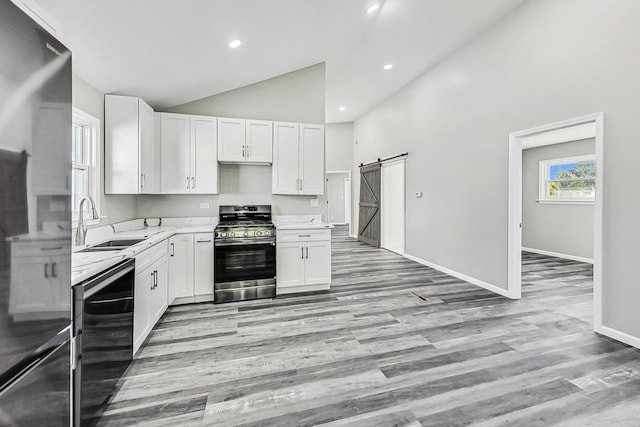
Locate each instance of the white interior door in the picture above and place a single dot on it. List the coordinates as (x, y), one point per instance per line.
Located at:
(393, 206)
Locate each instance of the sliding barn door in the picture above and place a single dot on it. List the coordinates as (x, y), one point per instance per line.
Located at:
(369, 218)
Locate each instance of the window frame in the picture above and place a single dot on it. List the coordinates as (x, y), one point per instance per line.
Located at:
(93, 160)
(544, 170)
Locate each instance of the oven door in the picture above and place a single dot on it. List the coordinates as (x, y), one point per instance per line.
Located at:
(244, 261)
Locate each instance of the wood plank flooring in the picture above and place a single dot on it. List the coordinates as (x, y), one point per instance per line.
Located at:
(393, 343)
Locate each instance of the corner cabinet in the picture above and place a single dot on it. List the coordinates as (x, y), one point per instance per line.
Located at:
(303, 260)
(245, 141)
(191, 268)
(132, 161)
(298, 159)
(189, 153)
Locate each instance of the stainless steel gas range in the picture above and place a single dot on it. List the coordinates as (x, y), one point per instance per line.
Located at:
(245, 254)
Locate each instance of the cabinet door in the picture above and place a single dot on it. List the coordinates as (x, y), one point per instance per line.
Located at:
(285, 158)
(180, 266)
(204, 155)
(231, 140)
(259, 143)
(159, 292)
(174, 141)
(289, 264)
(149, 155)
(317, 268)
(59, 281)
(121, 148)
(312, 159)
(141, 307)
(203, 264)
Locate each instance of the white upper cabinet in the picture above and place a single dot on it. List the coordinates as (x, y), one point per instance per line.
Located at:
(204, 155)
(132, 163)
(245, 141)
(189, 153)
(231, 140)
(298, 159)
(259, 142)
(311, 167)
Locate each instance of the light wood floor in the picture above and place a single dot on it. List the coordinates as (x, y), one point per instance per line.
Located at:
(393, 343)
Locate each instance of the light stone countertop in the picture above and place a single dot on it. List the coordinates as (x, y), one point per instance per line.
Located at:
(87, 264)
(299, 222)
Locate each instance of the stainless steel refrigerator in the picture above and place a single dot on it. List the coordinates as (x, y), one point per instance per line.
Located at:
(35, 212)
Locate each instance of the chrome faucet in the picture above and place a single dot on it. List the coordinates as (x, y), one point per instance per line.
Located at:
(81, 231)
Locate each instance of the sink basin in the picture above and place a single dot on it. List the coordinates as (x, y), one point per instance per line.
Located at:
(112, 245)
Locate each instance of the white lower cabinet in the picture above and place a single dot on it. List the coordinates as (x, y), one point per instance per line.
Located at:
(303, 261)
(150, 293)
(191, 268)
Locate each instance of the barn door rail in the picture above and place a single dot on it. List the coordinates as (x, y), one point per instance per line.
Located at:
(386, 159)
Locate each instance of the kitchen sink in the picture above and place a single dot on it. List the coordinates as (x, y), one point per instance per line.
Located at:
(112, 245)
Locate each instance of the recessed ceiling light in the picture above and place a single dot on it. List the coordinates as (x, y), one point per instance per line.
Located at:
(372, 8)
(388, 67)
(343, 108)
(234, 44)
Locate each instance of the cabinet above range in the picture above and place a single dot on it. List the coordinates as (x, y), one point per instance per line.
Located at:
(245, 141)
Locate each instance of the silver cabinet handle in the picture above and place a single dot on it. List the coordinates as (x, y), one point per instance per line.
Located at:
(46, 270)
(304, 235)
(243, 152)
(203, 241)
(173, 249)
(155, 279)
(193, 182)
(187, 183)
(307, 248)
(141, 180)
(53, 269)
(302, 253)
(247, 151)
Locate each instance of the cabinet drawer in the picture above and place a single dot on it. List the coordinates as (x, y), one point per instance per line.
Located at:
(303, 235)
(41, 248)
(151, 255)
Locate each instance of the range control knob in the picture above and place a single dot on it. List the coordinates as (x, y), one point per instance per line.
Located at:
(267, 233)
(245, 234)
(258, 233)
(232, 234)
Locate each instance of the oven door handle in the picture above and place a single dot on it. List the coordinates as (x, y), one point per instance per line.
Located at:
(244, 243)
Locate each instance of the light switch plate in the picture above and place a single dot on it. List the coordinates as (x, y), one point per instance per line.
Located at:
(204, 205)
(313, 203)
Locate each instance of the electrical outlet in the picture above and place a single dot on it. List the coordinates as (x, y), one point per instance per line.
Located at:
(57, 205)
(418, 194)
(204, 205)
(313, 203)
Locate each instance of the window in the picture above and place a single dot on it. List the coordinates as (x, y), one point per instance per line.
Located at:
(85, 161)
(568, 180)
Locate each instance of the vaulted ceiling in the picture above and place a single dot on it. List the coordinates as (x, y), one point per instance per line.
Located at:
(169, 52)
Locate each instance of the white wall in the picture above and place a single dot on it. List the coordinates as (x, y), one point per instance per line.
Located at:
(339, 141)
(561, 228)
(548, 61)
(87, 98)
(295, 97)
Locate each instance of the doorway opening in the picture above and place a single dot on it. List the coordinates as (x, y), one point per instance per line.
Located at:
(553, 186)
(339, 197)
(392, 175)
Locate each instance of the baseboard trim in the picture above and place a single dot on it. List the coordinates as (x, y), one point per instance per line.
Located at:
(353, 235)
(559, 255)
(618, 336)
(461, 276)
